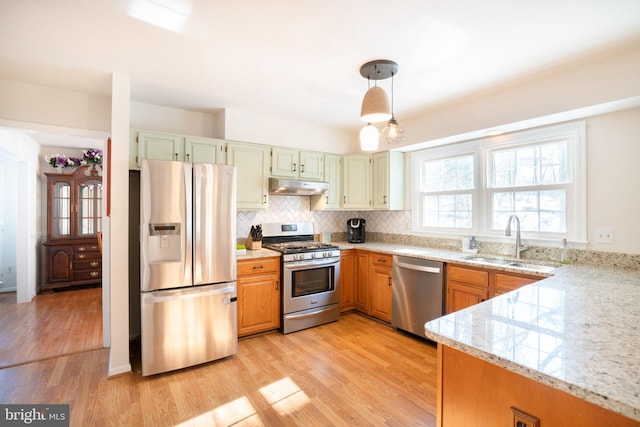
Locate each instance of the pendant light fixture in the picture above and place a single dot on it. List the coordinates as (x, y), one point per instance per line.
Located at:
(392, 132)
(375, 105)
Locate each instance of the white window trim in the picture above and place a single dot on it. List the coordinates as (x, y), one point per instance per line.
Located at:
(573, 132)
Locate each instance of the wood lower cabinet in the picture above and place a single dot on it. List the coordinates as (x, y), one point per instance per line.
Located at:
(72, 263)
(476, 393)
(362, 286)
(381, 286)
(347, 280)
(467, 286)
(258, 295)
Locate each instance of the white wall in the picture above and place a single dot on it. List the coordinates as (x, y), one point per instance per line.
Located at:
(262, 129)
(24, 152)
(30, 103)
(8, 222)
(613, 167)
(174, 120)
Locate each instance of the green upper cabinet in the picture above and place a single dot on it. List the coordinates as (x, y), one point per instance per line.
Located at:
(158, 146)
(331, 198)
(291, 163)
(205, 150)
(167, 146)
(356, 182)
(252, 174)
(387, 180)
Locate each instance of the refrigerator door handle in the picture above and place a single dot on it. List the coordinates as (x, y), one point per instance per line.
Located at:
(188, 235)
(162, 296)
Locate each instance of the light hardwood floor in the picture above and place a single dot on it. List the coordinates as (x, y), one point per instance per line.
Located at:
(51, 325)
(356, 371)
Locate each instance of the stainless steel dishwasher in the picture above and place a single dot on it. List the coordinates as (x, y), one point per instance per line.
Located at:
(418, 293)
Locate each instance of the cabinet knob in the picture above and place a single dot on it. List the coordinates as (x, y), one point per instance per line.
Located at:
(188, 157)
(94, 273)
(81, 248)
(294, 167)
(175, 156)
(94, 263)
(302, 168)
(81, 256)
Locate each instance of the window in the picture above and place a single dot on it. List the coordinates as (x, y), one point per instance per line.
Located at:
(473, 187)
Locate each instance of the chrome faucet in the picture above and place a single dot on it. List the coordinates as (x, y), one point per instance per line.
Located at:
(519, 247)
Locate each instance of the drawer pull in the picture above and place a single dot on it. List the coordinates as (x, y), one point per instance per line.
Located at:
(94, 263)
(255, 267)
(94, 273)
(81, 256)
(82, 248)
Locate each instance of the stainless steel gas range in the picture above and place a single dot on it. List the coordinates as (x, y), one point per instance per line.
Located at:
(310, 273)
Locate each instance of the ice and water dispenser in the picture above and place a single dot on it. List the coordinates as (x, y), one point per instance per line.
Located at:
(164, 243)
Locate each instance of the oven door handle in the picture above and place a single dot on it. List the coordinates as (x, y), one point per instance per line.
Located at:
(315, 313)
(319, 263)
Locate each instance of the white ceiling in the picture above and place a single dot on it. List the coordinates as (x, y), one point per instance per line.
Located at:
(300, 59)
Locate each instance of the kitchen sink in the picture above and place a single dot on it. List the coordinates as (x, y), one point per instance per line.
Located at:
(485, 260)
(509, 263)
(532, 267)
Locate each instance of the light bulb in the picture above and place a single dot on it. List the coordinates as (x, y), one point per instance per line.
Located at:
(369, 138)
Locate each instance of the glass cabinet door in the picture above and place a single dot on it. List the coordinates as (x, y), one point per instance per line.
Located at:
(61, 212)
(89, 207)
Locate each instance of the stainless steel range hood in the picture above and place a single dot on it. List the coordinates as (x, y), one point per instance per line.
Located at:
(294, 187)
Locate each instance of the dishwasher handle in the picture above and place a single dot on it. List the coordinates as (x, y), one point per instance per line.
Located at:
(423, 268)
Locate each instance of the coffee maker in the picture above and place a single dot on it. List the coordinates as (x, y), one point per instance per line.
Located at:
(355, 230)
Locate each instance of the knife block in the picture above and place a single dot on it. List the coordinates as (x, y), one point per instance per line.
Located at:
(252, 244)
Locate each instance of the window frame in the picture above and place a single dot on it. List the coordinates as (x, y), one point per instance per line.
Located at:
(574, 133)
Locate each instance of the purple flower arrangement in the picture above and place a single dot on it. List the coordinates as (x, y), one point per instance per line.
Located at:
(91, 156)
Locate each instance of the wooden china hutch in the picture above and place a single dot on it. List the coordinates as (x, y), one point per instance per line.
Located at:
(74, 206)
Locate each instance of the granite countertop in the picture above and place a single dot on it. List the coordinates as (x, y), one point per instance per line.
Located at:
(258, 253)
(577, 329)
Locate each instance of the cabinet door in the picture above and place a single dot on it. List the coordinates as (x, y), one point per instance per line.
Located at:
(333, 175)
(204, 150)
(380, 279)
(347, 280)
(356, 193)
(362, 291)
(88, 207)
(380, 180)
(59, 264)
(311, 165)
(60, 218)
(387, 180)
(461, 296)
(158, 146)
(252, 172)
(284, 162)
(258, 303)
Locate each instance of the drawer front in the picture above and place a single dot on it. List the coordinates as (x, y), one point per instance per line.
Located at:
(87, 248)
(381, 260)
(88, 264)
(86, 256)
(468, 275)
(87, 275)
(508, 282)
(258, 266)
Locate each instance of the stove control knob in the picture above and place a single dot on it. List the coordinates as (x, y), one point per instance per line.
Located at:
(313, 255)
(299, 257)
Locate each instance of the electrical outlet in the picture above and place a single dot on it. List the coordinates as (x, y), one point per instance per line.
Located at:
(604, 235)
(522, 419)
(9, 269)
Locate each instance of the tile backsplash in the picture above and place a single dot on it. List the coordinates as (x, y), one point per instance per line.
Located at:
(296, 209)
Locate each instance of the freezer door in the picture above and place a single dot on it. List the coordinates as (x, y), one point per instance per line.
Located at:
(165, 225)
(214, 194)
(189, 326)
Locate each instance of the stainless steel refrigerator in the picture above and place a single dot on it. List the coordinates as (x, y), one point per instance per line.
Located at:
(187, 264)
